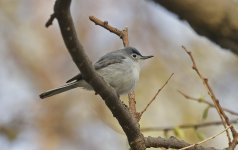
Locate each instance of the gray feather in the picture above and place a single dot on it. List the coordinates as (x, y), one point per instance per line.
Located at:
(59, 90)
(106, 61)
(101, 63)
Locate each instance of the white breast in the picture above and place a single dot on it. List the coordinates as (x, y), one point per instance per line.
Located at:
(122, 76)
(136, 71)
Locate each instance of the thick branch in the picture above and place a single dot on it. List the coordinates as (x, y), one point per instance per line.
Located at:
(108, 94)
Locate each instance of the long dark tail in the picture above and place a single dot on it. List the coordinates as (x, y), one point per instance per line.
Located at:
(59, 90)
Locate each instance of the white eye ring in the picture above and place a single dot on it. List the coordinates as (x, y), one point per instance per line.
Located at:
(134, 55)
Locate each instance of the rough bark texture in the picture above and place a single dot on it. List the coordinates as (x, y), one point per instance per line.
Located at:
(215, 19)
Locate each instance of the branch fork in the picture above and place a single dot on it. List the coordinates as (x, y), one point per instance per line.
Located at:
(129, 124)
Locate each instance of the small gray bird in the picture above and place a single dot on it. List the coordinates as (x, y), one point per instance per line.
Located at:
(119, 68)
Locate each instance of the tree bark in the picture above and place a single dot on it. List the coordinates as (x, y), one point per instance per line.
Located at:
(108, 94)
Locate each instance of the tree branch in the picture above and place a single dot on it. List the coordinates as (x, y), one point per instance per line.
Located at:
(108, 94)
(186, 126)
(156, 94)
(172, 142)
(203, 141)
(223, 116)
(200, 100)
(122, 34)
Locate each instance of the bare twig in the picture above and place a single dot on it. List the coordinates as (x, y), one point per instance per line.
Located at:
(172, 142)
(200, 100)
(156, 94)
(132, 105)
(223, 116)
(186, 126)
(203, 141)
(210, 92)
(234, 143)
(50, 21)
(122, 34)
(125, 37)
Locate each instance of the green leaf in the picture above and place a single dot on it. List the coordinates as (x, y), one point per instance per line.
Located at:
(205, 113)
(200, 135)
(179, 132)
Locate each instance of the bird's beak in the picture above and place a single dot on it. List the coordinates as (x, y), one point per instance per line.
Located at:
(146, 57)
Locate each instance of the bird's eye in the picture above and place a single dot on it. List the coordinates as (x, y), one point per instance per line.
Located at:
(134, 55)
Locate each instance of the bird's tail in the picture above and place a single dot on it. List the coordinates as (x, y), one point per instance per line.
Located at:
(59, 90)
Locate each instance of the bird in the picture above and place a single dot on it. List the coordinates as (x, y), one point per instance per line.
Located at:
(119, 68)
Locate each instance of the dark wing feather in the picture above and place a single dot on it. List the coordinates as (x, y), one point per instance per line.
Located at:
(75, 78)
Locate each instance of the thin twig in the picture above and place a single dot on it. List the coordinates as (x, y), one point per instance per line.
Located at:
(203, 141)
(200, 100)
(125, 37)
(132, 105)
(223, 116)
(122, 34)
(50, 21)
(156, 94)
(186, 126)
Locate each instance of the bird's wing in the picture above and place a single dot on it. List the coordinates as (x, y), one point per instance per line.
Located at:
(101, 63)
(108, 60)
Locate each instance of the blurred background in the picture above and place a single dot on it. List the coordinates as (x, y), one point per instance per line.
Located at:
(34, 59)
